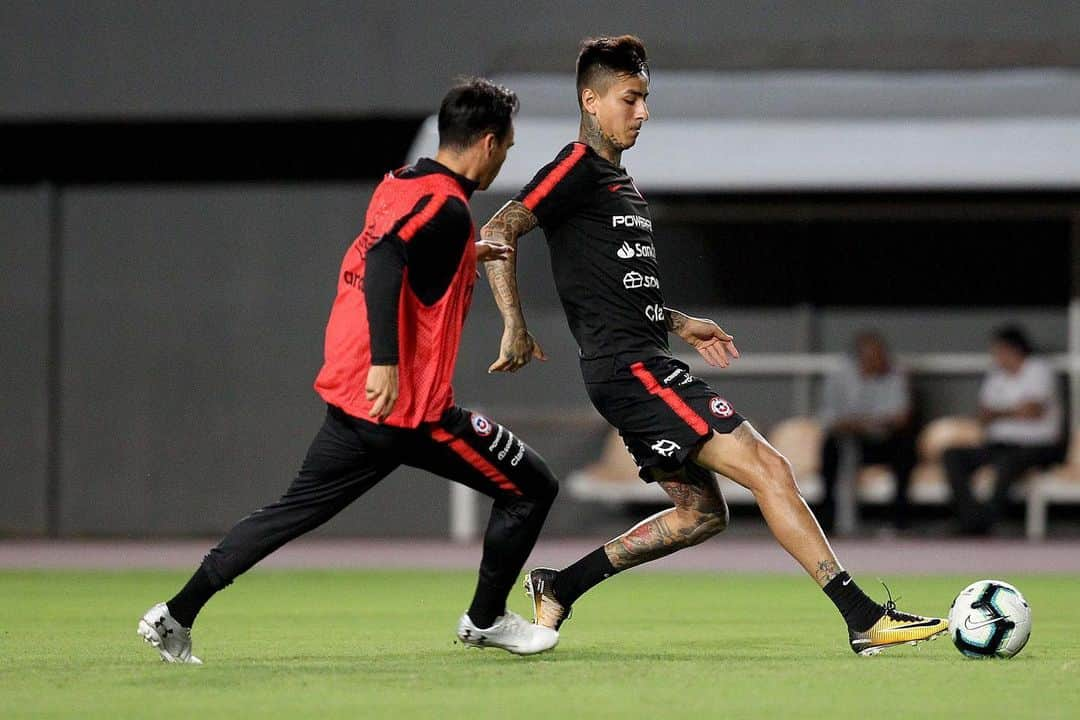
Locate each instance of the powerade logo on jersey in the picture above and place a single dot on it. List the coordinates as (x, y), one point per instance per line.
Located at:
(635, 222)
(627, 251)
(634, 280)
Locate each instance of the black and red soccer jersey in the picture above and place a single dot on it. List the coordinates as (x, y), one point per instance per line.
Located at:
(599, 235)
(403, 293)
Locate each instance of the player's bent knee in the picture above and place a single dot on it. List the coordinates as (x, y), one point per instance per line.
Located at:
(721, 518)
(777, 473)
(714, 523)
(545, 487)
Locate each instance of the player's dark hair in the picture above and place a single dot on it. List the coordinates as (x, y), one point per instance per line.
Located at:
(473, 108)
(614, 56)
(1014, 337)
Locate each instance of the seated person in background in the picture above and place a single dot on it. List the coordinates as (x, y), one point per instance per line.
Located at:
(868, 403)
(1020, 409)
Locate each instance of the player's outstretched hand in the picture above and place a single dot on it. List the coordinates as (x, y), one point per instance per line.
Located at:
(705, 336)
(488, 250)
(518, 347)
(382, 390)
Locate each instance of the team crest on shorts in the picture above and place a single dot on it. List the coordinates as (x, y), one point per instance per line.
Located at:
(666, 447)
(481, 425)
(721, 408)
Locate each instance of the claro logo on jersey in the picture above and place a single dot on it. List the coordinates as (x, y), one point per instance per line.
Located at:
(635, 222)
(627, 251)
(654, 312)
(634, 280)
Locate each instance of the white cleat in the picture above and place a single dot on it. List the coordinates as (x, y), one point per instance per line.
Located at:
(511, 632)
(170, 638)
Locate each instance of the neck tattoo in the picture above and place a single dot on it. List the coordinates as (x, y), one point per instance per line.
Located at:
(594, 137)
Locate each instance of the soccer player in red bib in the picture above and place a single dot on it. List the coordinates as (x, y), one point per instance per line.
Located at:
(679, 430)
(403, 292)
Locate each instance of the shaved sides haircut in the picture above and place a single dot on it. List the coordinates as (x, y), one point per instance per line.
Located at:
(603, 59)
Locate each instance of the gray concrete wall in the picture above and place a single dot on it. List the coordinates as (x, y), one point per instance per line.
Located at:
(192, 322)
(24, 329)
(70, 58)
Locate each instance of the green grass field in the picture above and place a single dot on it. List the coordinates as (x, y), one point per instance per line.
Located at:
(380, 644)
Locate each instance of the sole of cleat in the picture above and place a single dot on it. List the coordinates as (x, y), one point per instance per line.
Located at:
(877, 649)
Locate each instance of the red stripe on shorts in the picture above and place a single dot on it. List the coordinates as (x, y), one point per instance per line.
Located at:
(554, 177)
(475, 459)
(669, 396)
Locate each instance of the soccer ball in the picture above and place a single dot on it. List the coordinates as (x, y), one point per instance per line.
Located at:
(990, 618)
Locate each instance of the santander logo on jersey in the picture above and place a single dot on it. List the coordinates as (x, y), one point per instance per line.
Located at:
(627, 251)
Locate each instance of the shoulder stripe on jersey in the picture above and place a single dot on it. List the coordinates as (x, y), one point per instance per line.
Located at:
(478, 461)
(669, 396)
(420, 219)
(554, 177)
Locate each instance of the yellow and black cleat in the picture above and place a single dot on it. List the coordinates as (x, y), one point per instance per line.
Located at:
(896, 628)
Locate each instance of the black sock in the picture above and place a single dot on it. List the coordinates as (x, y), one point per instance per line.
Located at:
(191, 598)
(859, 611)
(488, 604)
(574, 581)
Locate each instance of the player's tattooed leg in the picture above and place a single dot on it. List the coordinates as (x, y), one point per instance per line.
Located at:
(827, 570)
(699, 513)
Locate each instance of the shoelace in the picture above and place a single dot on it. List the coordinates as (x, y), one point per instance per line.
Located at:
(890, 607)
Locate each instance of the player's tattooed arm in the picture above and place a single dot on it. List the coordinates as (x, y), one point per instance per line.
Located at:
(674, 319)
(518, 347)
(699, 513)
(507, 225)
(705, 336)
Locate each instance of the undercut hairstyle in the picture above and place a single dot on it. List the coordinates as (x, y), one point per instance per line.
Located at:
(603, 59)
(1014, 337)
(473, 108)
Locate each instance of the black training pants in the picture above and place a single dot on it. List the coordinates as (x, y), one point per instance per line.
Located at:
(896, 449)
(1010, 463)
(349, 456)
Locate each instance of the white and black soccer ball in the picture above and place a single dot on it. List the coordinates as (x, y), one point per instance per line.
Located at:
(990, 618)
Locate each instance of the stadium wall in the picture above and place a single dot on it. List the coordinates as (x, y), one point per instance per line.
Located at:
(191, 322)
(24, 357)
(68, 58)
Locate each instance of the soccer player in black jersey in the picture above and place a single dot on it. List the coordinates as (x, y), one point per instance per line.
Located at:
(679, 430)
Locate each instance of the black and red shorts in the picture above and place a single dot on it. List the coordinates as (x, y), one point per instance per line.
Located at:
(662, 412)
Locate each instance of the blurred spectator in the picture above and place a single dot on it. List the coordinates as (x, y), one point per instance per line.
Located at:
(1021, 412)
(868, 404)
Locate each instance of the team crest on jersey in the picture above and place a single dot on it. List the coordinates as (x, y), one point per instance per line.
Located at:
(481, 425)
(721, 408)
